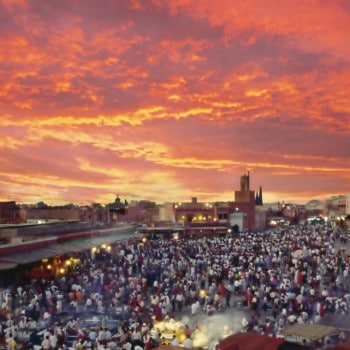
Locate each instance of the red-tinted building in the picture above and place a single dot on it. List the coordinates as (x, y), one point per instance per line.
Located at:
(245, 203)
(10, 213)
(238, 215)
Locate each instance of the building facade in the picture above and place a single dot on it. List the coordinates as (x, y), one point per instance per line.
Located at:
(11, 213)
(238, 215)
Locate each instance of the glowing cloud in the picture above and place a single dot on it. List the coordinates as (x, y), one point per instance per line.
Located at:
(173, 99)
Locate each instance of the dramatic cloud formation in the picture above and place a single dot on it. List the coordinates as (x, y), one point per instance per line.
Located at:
(166, 100)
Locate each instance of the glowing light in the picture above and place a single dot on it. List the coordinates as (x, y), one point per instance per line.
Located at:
(200, 339)
(182, 338)
(202, 293)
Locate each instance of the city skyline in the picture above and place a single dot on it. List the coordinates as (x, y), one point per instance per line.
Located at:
(169, 100)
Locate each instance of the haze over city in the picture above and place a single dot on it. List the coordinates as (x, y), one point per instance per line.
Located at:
(168, 100)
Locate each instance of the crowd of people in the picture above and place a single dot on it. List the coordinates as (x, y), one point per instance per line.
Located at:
(293, 275)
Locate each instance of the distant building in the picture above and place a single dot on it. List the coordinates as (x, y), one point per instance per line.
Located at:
(336, 210)
(260, 218)
(166, 212)
(239, 215)
(315, 205)
(336, 206)
(244, 206)
(11, 213)
(194, 212)
(143, 211)
(57, 214)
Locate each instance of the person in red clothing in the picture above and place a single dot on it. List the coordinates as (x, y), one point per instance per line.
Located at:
(158, 312)
(150, 344)
(299, 277)
(249, 297)
(222, 289)
(187, 331)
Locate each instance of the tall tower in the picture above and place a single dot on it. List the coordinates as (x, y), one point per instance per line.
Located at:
(245, 203)
(245, 186)
(259, 197)
(244, 195)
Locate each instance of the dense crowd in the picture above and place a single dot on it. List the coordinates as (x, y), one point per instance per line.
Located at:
(293, 275)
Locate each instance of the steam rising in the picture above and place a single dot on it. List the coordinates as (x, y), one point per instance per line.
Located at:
(209, 330)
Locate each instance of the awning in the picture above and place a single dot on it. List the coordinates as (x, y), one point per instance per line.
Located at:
(31, 256)
(7, 265)
(112, 238)
(65, 247)
(311, 332)
(77, 245)
(343, 346)
(249, 341)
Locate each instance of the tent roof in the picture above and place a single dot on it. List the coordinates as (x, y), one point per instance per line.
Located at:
(7, 265)
(65, 247)
(249, 341)
(312, 332)
(30, 256)
(343, 346)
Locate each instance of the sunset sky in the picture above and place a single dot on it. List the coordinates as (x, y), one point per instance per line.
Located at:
(169, 100)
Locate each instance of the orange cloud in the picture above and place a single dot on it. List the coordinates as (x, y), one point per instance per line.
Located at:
(173, 99)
